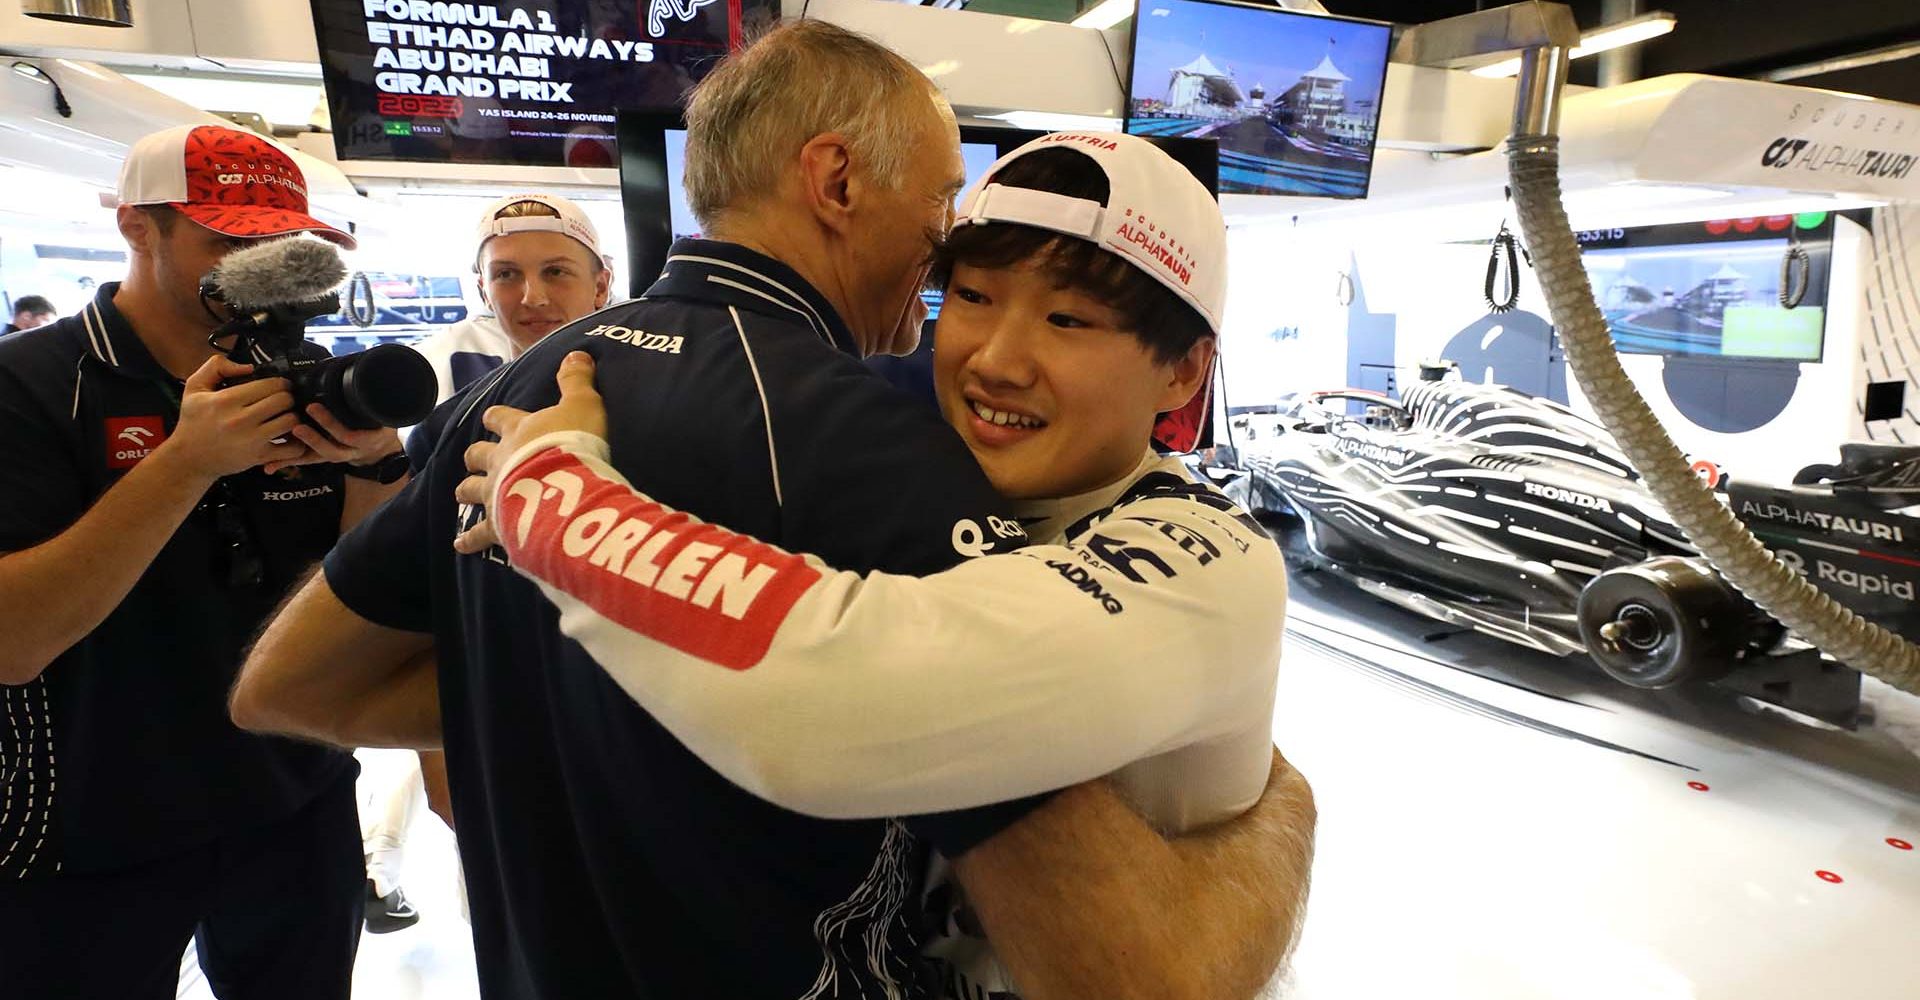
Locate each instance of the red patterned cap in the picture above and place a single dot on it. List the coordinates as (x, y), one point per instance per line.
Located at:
(233, 182)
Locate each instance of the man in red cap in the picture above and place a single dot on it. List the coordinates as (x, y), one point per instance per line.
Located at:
(155, 515)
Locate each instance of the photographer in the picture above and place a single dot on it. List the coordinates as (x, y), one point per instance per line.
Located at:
(158, 507)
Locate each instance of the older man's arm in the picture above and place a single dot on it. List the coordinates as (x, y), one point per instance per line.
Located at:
(1082, 899)
(349, 660)
(322, 672)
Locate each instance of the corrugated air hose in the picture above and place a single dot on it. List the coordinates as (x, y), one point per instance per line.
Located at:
(1727, 544)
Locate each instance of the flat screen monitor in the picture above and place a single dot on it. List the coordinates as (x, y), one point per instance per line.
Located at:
(1713, 289)
(1293, 99)
(521, 82)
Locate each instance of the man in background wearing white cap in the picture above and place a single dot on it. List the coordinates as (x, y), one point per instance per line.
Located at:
(539, 267)
(145, 541)
(533, 279)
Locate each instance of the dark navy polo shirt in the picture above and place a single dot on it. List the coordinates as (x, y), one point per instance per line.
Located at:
(603, 858)
(121, 751)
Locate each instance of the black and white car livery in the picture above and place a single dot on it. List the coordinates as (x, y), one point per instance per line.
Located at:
(1501, 512)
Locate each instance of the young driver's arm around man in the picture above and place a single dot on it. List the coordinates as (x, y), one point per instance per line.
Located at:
(1213, 911)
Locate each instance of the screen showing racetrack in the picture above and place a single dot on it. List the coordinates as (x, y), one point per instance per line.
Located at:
(524, 82)
(1293, 99)
(685, 226)
(1715, 288)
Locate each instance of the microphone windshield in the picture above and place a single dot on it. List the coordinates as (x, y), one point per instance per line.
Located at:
(279, 272)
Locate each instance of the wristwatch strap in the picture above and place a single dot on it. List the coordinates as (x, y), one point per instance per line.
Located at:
(387, 470)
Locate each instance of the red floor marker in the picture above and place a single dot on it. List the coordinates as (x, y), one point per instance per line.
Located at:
(1698, 786)
(1898, 843)
(1830, 877)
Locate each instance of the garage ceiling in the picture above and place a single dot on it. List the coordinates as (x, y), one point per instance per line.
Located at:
(1739, 37)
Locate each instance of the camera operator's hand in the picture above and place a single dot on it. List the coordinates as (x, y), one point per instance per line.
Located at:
(224, 431)
(339, 443)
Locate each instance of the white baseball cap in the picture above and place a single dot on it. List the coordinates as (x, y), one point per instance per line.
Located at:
(572, 221)
(233, 182)
(1158, 216)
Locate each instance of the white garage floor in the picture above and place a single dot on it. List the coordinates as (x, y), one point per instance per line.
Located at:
(1527, 830)
(1543, 833)
(433, 959)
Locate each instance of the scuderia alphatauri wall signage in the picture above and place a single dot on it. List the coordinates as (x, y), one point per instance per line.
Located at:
(1867, 559)
(1810, 156)
(529, 82)
(1747, 133)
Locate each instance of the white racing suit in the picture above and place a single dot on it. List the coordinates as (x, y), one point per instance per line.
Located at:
(1141, 643)
(465, 351)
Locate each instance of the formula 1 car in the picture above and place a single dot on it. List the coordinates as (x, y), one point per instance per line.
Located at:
(1511, 515)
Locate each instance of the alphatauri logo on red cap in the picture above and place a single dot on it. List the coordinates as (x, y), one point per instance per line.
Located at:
(232, 168)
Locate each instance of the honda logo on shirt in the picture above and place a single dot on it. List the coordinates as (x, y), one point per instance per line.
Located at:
(130, 439)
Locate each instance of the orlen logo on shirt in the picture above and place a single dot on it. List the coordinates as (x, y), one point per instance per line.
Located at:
(694, 586)
(130, 439)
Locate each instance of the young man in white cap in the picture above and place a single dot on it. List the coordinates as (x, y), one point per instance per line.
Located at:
(1138, 638)
(144, 544)
(538, 264)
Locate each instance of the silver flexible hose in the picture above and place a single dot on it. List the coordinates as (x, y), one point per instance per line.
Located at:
(1732, 550)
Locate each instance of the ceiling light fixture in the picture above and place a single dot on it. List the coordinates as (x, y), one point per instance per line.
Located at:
(1052, 121)
(1108, 14)
(1621, 33)
(98, 13)
(1872, 57)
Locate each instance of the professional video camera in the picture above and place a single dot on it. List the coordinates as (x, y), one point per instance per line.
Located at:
(270, 291)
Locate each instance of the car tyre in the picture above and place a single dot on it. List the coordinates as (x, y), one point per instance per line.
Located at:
(1669, 620)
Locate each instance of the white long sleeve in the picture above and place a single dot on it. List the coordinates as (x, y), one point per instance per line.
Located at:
(839, 695)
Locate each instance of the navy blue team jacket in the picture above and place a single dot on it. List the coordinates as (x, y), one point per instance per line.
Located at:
(603, 858)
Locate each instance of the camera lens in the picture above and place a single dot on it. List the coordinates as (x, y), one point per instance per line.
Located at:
(385, 386)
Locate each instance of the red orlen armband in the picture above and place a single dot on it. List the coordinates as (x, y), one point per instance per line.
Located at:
(696, 587)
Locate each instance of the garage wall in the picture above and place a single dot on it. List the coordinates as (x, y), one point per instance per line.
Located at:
(1307, 313)
(162, 35)
(1889, 303)
(273, 36)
